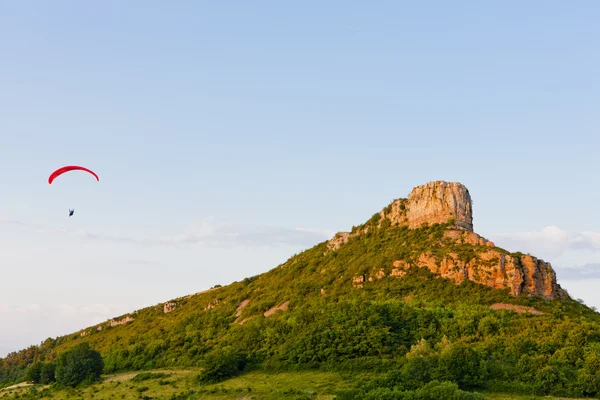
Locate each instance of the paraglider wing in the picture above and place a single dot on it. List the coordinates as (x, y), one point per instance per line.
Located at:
(68, 168)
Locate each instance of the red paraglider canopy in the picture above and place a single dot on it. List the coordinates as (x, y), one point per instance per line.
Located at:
(68, 168)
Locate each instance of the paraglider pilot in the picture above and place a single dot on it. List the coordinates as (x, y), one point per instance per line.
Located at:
(71, 212)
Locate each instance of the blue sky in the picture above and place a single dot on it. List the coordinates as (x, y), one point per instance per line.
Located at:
(282, 123)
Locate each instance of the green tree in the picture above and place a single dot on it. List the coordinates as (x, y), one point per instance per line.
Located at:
(34, 372)
(459, 363)
(79, 365)
(47, 374)
(222, 363)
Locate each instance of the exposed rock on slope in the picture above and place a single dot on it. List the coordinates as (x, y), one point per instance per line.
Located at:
(450, 202)
(521, 275)
(169, 306)
(123, 321)
(434, 202)
(274, 309)
(439, 202)
(517, 309)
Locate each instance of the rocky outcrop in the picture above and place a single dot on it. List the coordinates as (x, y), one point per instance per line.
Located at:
(440, 202)
(443, 202)
(520, 275)
(432, 203)
(170, 306)
(212, 304)
(539, 277)
(123, 321)
(461, 236)
(357, 281)
(339, 239)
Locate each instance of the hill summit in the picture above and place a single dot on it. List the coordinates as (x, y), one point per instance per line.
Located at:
(441, 202)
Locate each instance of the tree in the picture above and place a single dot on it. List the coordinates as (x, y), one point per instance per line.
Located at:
(222, 363)
(79, 365)
(48, 373)
(34, 372)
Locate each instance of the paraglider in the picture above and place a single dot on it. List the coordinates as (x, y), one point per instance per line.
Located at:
(68, 168)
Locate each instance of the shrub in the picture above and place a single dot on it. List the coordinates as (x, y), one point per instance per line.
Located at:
(221, 364)
(48, 373)
(79, 365)
(34, 372)
(144, 376)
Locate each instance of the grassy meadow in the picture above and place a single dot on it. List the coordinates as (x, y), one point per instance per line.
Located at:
(176, 384)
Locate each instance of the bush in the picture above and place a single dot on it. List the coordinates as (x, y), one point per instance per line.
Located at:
(40, 372)
(144, 376)
(346, 394)
(432, 391)
(48, 373)
(446, 390)
(79, 365)
(221, 364)
(34, 372)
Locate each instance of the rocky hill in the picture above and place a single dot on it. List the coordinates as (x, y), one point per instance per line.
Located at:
(413, 281)
(450, 202)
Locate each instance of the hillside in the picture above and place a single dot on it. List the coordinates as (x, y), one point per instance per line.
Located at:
(413, 293)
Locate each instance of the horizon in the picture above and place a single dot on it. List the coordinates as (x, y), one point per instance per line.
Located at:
(228, 139)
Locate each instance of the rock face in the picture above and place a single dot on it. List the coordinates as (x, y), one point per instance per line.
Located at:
(520, 275)
(170, 306)
(339, 239)
(440, 202)
(434, 202)
(123, 321)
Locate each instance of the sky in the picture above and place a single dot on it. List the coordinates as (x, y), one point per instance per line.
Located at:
(228, 137)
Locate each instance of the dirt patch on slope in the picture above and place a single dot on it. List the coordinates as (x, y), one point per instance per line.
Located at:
(518, 309)
(272, 310)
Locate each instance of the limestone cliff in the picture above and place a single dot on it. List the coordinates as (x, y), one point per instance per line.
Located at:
(520, 275)
(439, 202)
(444, 202)
(434, 202)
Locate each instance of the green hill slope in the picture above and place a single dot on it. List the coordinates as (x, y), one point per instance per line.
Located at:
(313, 312)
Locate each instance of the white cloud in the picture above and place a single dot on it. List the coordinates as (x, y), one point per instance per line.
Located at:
(586, 241)
(5, 221)
(549, 242)
(220, 234)
(208, 232)
(582, 272)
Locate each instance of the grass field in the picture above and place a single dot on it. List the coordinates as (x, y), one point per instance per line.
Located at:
(177, 384)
